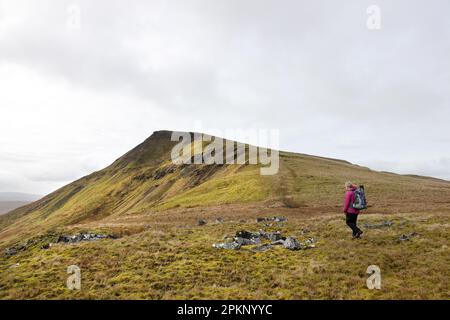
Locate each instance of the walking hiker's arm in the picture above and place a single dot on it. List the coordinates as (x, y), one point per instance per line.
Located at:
(347, 201)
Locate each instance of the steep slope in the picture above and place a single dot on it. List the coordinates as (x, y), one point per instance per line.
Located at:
(145, 180)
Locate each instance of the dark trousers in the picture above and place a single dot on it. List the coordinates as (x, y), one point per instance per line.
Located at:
(351, 219)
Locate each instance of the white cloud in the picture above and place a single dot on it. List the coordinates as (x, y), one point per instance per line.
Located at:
(72, 100)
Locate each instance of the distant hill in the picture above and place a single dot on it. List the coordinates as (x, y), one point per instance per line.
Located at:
(18, 196)
(13, 200)
(6, 206)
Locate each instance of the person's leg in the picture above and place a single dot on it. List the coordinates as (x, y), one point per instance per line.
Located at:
(350, 219)
(355, 220)
(358, 230)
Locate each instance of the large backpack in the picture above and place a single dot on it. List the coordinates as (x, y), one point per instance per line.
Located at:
(360, 202)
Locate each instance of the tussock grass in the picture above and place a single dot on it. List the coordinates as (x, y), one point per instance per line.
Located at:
(178, 262)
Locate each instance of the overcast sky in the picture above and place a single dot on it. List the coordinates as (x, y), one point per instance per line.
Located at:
(78, 91)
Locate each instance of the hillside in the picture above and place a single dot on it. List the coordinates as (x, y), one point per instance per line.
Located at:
(142, 180)
(153, 206)
(145, 180)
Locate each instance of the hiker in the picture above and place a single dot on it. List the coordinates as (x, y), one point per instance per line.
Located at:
(351, 214)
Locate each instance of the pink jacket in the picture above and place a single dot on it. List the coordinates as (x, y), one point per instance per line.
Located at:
(349, 199)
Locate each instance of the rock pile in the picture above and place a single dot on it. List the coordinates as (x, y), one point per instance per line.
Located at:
(245, 238)
(45, 241)
(271, 219)
(13, 250)
(383, 224)
(292, 243)
(83, 237)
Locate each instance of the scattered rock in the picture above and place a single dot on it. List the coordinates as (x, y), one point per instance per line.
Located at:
(247, 235)
(246, 238)
(383, 224)
(247, 242)
(10, 251)
(83, 237)
(15, 249)
(274, 219)
(201, 222)
(219, 220)
(272, 236)
(45, 241)
(405, 237)
(310, 243)
(45, 246)
(227, 245)
(291, 243)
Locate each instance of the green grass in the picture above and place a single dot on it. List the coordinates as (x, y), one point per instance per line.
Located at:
(178, 262)
(244, 187)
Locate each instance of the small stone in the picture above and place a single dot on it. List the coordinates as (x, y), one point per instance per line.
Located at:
(227, 245)
(247, 235)
(246, 242)
(10, 251)
(275, 219)
(292, 244)
(405, 237)
(382, 224)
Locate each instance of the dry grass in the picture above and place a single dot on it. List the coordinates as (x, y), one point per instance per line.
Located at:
(173, 261)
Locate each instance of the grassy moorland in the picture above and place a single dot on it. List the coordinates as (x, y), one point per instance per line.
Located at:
(154, 260)
(160, 251)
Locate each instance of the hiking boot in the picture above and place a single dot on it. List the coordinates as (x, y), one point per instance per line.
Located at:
(358, 234)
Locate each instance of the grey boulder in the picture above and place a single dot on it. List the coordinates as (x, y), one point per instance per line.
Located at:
(227, 245)
(292, 243)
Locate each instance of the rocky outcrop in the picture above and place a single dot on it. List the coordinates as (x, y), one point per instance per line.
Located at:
(246, 238)
(45, 241)
(291, 243)
(83, 237)
(271, 219)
